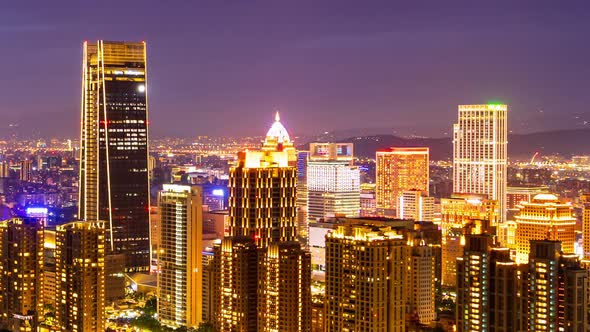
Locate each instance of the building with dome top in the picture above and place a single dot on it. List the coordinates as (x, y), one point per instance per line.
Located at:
(544, 218)
(277, 139)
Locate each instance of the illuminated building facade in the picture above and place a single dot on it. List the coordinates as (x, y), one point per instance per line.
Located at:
(416, 205)
(302, 197)
(180, 273)
(26, 167)
(114, 183)
(557, 289)
(457, 214)
(365, 272)
(480, 152)
(368, 201)
(262, 275)
(586, 225)
(284, 297)
(333, 183)
(80, 282)
(421, 282)
(235, 285)
(399, 169)
(544, 217)
(21, 274)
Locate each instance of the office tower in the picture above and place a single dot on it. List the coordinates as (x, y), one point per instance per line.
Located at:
(114, 184)
(399, 169)
(284, 298)
(80, 285)
(556, 289)
(260, 266)
(302, 197)
(480, 142)
(365, 272)
(416, 205)
(236, 285)
(332, 181)
(26, 167)
(262, 198)
(544, 218)
(368, 201)
(180, 275)
(21, 274)
(459, 212)
(420, 283)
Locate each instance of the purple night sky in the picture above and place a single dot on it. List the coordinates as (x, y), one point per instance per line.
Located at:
(220, 67)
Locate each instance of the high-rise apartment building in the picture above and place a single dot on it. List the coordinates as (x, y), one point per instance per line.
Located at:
(421, 282)
(400, 169)
(366, 269)
(416, 205)
(114, 184)
(586, 225)
(557, 289)
(21, 274)
(262, 275)
(180, 273)
(80, 276)
(333, 183)
(480, 152)
(545, 217)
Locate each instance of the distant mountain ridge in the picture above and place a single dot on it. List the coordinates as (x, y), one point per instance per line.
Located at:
(520, 146)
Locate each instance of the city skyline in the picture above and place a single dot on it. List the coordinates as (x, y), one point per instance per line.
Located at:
(311, 62)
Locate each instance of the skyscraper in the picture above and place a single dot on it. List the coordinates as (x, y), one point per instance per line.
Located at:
(420, 282)
(21, 273)
(180, 273)
(557, 288)
(480, 152)
(80, 281)
(114, 183)
(302, 197)
(333, 183)
(544, 218)
(262, 275)
(399, 169)
(365, 276)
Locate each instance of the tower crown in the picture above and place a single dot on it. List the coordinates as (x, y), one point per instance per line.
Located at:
(277, 131)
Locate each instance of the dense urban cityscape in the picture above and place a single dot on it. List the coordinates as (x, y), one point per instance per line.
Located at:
(115, 230)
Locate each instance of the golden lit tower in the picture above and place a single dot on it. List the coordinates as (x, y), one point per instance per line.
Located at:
(80, 274)
(180, 275)
(262, 197)
(544, 218)
(420, 282)
(262, 274)
(365, 279)
(398, 170)
(21, 273)
(586, 225)
(114, 183)
(459, 213)
(480, 152)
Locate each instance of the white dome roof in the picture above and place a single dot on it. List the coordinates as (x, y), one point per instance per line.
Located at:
(278, 131)
(545, 197)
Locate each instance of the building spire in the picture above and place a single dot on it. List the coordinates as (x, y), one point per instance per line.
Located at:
(277, 117)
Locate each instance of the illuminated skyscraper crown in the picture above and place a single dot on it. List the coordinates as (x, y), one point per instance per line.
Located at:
(277, 131)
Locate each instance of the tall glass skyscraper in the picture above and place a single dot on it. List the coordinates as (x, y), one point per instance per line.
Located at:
(480, 152)
(114, 184)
